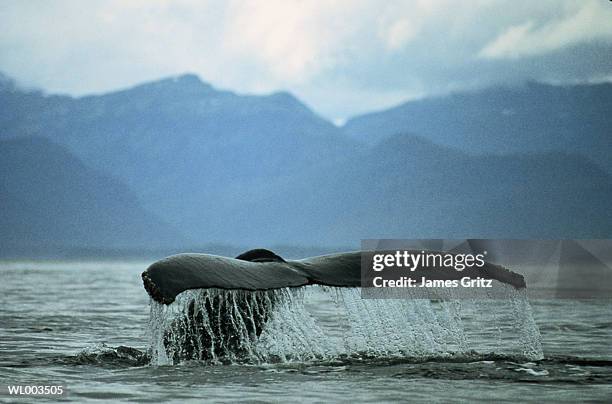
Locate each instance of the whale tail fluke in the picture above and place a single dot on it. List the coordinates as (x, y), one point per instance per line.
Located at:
(262, 269)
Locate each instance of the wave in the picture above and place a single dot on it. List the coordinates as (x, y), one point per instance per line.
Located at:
(559, 369)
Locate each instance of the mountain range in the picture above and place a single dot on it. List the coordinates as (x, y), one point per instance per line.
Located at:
(177, 163)
(50, 200)
(534, 117)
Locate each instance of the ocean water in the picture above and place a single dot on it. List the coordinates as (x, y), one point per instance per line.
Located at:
(86, 326)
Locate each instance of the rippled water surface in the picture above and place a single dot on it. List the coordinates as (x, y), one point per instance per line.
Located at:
(84, 325)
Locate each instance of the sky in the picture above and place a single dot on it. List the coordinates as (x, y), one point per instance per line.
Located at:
(342, 57)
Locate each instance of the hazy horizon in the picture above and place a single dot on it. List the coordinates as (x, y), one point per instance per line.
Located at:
(337, 122)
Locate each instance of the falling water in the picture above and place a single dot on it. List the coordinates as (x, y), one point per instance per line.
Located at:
(221, 326)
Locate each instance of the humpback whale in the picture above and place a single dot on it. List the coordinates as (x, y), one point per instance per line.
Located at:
(260, 271)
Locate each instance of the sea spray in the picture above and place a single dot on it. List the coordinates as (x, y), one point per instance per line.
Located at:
(223, 326)
(158, 323)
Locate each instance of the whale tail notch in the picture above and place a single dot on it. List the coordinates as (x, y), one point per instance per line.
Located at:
(260, 255)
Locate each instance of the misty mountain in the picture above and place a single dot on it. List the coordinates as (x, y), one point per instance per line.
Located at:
(532, 118)
(409, 187)
(49, 198)
(265, 170)
(188, 150)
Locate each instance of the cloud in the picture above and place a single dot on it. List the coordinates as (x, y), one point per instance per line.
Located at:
(292, 40)
(398, 24)
(591, 21)
(342, 56)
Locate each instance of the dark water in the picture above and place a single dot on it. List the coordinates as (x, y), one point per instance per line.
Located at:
(84, 326)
